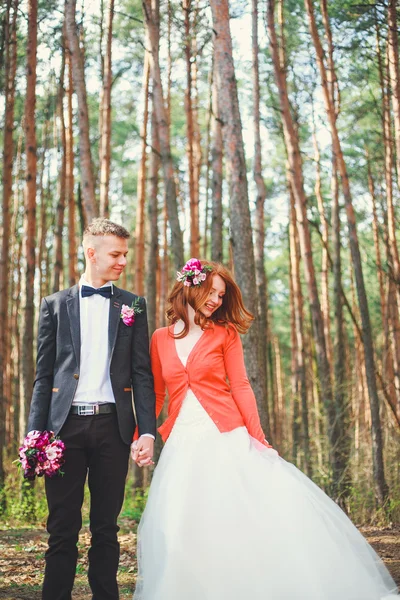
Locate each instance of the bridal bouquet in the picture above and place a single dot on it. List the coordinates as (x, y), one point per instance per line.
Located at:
(41, 454)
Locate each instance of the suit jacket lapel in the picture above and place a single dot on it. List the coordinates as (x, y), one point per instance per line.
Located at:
(113, 323)
(74, 321)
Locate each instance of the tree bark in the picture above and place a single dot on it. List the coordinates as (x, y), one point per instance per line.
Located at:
(152, 22)
(298, 314)
(217, 178)
(393, 56)
(296, 180)
(58, 236)
(141, 187)
(29, 240)
(152, 219)
(259, 225)
(381, 490)
(10, 43)
(87, 178)
(69, 179)
(105, 138)
(193, 188)
(242, 242)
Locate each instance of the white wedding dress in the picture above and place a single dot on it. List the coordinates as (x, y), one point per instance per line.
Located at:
(228, 519)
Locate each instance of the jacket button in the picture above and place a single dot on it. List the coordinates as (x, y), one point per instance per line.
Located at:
(76, 376)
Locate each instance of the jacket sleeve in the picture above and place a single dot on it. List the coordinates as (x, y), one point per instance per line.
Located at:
(159, 383)
(46, 355)
(241, 390)
(142, 378)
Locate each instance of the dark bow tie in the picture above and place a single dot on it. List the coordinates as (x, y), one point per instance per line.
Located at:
(89, 291)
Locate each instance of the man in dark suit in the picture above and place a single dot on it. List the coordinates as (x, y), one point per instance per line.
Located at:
(93, 366)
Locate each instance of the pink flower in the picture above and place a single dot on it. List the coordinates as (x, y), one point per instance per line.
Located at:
(41, 453)
(128, 320)
(192, 265)
(195, 281)
(187, 283)
(128, 313)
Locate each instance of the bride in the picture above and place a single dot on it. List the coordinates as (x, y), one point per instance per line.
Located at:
(227, 518)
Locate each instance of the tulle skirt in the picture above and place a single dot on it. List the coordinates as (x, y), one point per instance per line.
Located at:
(228, 519)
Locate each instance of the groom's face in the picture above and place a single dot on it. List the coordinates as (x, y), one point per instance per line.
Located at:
(107, 255)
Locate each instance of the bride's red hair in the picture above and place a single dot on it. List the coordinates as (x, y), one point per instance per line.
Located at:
(231, 312)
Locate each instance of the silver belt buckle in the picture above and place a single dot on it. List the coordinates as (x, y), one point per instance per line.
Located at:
(87, 410)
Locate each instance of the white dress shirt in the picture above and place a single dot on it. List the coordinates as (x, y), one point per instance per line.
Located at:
(94, 384)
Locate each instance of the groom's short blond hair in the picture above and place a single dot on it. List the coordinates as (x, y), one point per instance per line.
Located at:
(102, 226)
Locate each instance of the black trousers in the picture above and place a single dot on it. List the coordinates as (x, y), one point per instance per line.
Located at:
(93, 448)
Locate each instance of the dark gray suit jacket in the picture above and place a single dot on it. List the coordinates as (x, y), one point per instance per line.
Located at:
(58, 364)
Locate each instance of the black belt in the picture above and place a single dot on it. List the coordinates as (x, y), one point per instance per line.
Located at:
(88, 410)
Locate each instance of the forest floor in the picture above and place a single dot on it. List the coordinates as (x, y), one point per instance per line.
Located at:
(22, 552)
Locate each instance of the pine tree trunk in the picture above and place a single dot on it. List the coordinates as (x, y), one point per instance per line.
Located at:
(296, 180)
(193, 199)
(29, 240)
(259, 226)
(393, 55)
(208, 165)
(69, 180)
(298, 313)
(58, 236)
(152, 22)
(42, 229)
(152, 219)
(216, 185)
(339, 390)
(10, 43)
(242, 242)
(325, 304)
(87, 179)
(141, 187)
(381, 490)
(105, 138)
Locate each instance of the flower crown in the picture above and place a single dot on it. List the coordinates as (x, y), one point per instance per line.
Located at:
(193, 273)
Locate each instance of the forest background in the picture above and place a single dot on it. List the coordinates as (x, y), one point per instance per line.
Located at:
(264, 135)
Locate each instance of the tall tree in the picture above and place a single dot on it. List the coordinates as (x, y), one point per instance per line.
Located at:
(58, 245)
(381, 490)
(69, 177)
(242, 242)
(216, 181)
(78, 73)
(259, 224)
(151, 11)
(10, 43)
(394, 69)
(29, 239)
(300, 385)
(105, 137)
(152, 237)
(297, 185)
(141, 186)
(190, 126)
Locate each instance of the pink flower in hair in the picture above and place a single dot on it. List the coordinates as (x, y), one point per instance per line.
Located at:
(193, 264)
(193, 273)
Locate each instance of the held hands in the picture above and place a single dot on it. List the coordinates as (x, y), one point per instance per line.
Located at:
(142, 451)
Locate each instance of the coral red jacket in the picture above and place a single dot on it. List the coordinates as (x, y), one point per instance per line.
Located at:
(216, 356)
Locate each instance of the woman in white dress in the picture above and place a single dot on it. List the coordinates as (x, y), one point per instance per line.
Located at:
(227, 518)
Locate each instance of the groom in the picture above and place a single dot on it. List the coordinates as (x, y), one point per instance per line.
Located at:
(92, 366)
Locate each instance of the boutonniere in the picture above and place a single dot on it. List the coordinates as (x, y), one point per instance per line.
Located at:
(128, 313)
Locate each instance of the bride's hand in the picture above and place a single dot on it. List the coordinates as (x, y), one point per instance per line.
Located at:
(142, 451)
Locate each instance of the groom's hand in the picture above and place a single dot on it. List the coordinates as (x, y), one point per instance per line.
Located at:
(142, 451)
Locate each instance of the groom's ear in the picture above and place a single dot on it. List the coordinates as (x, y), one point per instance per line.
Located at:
(90, 253)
